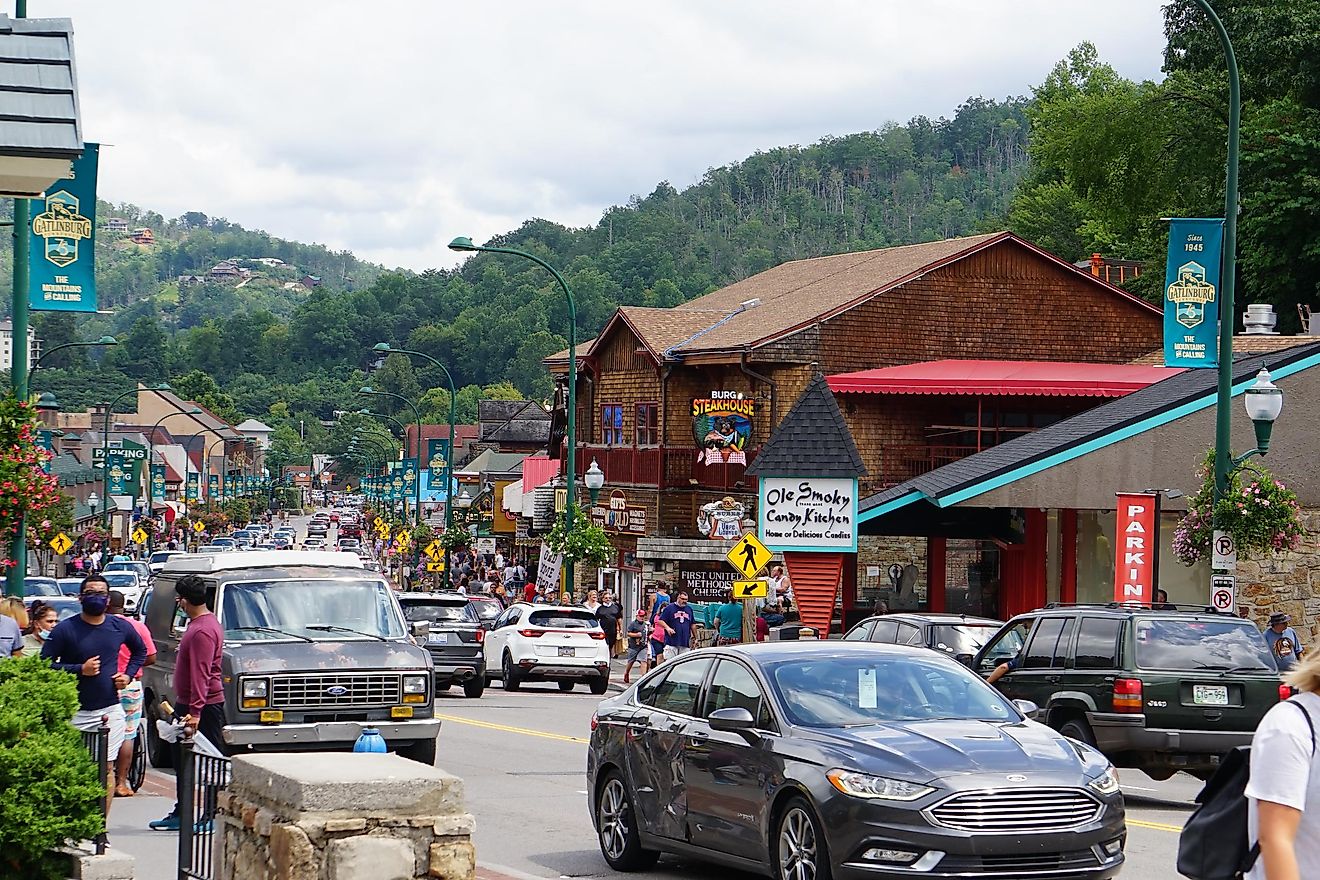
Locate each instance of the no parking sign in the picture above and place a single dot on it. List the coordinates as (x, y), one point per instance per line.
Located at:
(1223, 593)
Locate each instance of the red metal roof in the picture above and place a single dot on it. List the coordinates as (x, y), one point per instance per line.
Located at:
(1024, 378)
(538, 470)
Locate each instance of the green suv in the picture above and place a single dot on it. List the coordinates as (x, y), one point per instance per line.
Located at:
(1158, 690)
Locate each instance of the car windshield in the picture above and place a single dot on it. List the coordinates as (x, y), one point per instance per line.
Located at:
(161, 558)
(293, 606)
(1169, 643)
(961, 638)
(564, 619)
(41, 587)
(436, 612)
(120, 579)
(71, 586)
(849, 691)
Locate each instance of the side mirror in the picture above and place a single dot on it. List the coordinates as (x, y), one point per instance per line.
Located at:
(964, 659)
(420, 629)
(1028, 708)
(734, 718)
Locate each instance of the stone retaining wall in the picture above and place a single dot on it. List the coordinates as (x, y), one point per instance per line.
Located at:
(1288, 582)
(337, 816)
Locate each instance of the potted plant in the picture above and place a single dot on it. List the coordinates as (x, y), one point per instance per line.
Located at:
(586, 542)
(1260, 513)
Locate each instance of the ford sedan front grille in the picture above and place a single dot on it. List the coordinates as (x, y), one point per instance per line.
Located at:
(331, 691)
(1016, 810)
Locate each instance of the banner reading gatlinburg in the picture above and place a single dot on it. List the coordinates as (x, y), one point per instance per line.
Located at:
(1191, 293)
(61, 257)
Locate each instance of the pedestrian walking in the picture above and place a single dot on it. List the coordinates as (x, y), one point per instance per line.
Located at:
(130, 696)
(1283, 794)
(591, 602)
(198, 685)
(728, 621)
(609, 613)
(676, 618)
(88, 645)
(1285, 646)
(639, 632)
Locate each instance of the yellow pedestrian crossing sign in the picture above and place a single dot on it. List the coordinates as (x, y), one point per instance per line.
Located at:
(402, 540)
(139, 535)
(749, 556)
(199, 527)
(434, 551)
(378, 523)
(757, 589)
(61, 544)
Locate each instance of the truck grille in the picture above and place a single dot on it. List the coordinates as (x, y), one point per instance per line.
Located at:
(1016, 810)
(315, 691)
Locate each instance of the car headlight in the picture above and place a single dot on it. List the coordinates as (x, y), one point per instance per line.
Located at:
(256, 692)
(1106, 783)
(863, 785)
(414, 688)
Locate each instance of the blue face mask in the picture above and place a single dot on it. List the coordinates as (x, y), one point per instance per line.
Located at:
(94, 603)
(44, 634)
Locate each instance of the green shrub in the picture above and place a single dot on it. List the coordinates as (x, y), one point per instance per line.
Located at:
(49, 792)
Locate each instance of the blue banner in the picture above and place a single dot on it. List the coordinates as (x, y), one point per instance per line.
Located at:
(194, 488)
(158, 482)
(62, 258)
(212, 487)
(1191, 293)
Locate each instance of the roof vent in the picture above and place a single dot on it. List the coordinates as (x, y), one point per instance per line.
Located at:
(1259, 320)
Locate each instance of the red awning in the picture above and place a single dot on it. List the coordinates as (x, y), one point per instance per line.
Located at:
(1024, 378)
(537, 471)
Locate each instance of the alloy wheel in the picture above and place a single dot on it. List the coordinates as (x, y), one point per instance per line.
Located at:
(614, 819)
(798, 850)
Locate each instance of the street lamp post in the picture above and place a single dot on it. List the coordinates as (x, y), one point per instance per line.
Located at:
(206, 463)
(105, 444)
(151, 461)
(595, 480)
(465, 244)
(417, 478)
(104, 340)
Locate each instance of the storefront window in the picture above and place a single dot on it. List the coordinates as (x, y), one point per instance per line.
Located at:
(1188, 585)
(971, 583)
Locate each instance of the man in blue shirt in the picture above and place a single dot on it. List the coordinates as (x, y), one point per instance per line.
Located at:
(88, 646)
(676, 618)
(1285, 647)
(11, 637)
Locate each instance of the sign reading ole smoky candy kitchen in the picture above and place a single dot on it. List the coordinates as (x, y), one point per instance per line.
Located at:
(808, 513)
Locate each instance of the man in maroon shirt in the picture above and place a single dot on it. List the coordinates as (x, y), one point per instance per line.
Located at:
(198, 682)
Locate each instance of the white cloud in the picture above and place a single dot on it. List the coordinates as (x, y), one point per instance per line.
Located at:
(389, 128)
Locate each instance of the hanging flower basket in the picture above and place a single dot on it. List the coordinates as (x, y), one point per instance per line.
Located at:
(1260, 513)
(586, 542)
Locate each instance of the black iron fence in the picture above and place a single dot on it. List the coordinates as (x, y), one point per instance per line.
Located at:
(97, 743)
(201, 777)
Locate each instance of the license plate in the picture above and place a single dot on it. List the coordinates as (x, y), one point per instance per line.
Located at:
(439, 638)
(565, 652)
(1210, 694)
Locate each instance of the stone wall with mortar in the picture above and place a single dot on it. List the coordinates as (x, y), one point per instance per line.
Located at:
(1288, 582)
(322, 816)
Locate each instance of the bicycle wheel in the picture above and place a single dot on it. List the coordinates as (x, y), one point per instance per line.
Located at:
(137, 771)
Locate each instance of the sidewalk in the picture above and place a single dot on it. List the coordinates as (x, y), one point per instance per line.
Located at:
(156, 852)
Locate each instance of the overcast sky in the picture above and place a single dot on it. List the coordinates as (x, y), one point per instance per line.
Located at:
(389, 127)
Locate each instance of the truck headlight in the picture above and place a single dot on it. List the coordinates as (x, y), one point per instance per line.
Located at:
(414, 688)
(256, 693)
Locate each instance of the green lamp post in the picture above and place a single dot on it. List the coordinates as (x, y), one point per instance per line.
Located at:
(104, 340)
(417, 479)
(464, 244)
(105, 443)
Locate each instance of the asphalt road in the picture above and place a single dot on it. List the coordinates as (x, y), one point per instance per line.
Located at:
(523, 757)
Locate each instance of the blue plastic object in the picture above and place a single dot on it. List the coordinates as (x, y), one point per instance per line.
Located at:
(369, 740)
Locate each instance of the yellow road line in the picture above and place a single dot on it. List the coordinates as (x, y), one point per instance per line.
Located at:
(525, 731)
(1158, 826)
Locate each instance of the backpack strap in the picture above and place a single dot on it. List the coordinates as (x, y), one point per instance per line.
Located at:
(1309, 722)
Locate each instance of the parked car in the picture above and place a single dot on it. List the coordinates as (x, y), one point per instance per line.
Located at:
(1160, 691)
(808, 759)
(557, 643)
(953, 634)
(316, 648)
(454, 640)
(65, 606)
(40, 586)
(128, 583)
(70, 586)
(139, 567)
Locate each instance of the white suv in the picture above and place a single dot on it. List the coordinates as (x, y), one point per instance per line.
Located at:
(548, 643)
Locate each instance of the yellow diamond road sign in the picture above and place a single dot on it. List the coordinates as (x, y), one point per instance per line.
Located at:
(199, 527)
(61, 543)
(403, 540)
(139, 536)
(757, 589)
(749, 556)
(434, 551)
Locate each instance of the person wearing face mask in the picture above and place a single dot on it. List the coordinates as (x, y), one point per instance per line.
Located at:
(43, 619)
(87, 645)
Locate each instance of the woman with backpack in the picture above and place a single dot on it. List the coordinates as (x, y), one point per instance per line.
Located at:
(1283, 794)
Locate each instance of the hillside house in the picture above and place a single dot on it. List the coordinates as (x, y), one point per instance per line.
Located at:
(225, 270)
(143, 236)
(310, 281)
(116, 226)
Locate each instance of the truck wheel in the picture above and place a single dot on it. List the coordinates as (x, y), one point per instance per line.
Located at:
(566, 685)
(422, 752)
(511, 680)
(1079, 730)
(159, 751)
(474, 687)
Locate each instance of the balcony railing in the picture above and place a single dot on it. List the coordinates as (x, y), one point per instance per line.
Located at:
(899, 463)
(670, 467)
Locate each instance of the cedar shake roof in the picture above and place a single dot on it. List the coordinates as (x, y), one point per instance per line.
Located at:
(797, 294)
(813, 440)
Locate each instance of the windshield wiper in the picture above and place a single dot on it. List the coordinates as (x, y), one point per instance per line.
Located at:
(268, 629)
(1245, 669)
(325, 627)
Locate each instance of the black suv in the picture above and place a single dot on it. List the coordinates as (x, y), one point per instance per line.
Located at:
(454, 641)
(1158, 690)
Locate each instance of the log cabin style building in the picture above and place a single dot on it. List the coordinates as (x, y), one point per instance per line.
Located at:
(674, 404)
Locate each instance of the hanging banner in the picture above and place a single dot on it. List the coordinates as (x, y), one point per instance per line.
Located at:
(194, 488)
(61, 261)
(231, 488)
(1191, 293)
(722, 426)
(1136, 548)
(117, 473)
(410, 477)
(437, 453)
(158, 482)
(213, 487)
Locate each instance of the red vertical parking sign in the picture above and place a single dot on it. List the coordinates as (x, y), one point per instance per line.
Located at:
(1136, 546)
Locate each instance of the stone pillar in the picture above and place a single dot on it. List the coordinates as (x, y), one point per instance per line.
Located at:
(338, 816)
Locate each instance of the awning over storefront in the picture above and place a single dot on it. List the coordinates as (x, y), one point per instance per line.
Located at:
(999, 378)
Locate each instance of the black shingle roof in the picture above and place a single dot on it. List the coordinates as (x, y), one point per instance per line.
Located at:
(813, 440)
(1177, 390)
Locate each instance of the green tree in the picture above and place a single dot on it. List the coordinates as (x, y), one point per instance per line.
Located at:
(203, 390)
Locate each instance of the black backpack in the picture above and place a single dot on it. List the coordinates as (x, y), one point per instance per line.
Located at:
(1214, 843)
